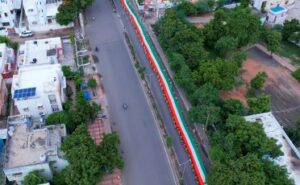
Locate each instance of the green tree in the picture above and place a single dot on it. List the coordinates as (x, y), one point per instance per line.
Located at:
(92, 83)
(11, 44)
(34, 178)
(275, 174)
(246, 170)
(272, 40)
(77, 80)
(260, 104)
(208, 115)
(259, 80)
(67, 72)
(233, 106)
(66, 13)
(220, 73)
(239, 57)
(110, 155)
(225, 44)
(289, 28)
(296, 74)
(57, 118)
(187, 8)
(206, 94)
(239, 133)
(69, 9)
(238, 23)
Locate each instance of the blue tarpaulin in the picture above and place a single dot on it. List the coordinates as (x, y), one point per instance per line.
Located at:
(87, 95)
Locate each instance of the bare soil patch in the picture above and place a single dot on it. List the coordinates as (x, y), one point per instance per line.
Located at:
(283, 88)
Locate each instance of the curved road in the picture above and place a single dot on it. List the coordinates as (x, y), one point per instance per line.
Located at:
(146, 161)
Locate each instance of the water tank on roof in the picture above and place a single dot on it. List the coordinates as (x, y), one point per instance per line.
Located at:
(43, 157)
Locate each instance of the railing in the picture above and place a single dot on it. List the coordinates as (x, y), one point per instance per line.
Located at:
(169, 94)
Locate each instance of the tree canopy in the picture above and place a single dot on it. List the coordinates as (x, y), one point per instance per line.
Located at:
(69, 9)
(259, 80)
(34, 178)
(87, 161)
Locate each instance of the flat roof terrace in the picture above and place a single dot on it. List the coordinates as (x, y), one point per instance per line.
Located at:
(28, 146)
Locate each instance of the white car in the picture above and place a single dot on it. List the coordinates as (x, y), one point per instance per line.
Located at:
(26, 33)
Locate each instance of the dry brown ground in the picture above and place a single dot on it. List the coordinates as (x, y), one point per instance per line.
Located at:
(283, 88)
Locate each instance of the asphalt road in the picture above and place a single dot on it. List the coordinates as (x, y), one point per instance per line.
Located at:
(182, 156)
(146, 161)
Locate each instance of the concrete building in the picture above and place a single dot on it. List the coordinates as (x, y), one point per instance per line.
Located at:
(291, 155)
(8, 15)
(266, 5)
(39, 90)
(30, 147)
(7, 62)
(41, 51)
(41, 15)
(276, 15)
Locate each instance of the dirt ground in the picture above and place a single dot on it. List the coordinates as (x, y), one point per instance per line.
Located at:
(283, 88)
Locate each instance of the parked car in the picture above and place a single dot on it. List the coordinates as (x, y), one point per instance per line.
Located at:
(26, 33)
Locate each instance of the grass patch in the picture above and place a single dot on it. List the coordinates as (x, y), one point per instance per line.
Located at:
(291, 51)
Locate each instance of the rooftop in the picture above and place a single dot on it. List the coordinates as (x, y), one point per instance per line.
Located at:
(273, 130)
(28, 146)
(36, 80)
(40, 51)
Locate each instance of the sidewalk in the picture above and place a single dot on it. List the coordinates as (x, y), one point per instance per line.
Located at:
(201, 138)
(282, 61)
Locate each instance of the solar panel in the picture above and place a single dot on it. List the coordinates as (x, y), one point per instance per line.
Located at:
(24, 93)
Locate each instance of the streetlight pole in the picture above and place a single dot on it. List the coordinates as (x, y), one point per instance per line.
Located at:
(184, 164)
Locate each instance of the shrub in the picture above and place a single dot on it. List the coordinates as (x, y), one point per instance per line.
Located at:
(296, 74)
(258, 81)
(260, 104)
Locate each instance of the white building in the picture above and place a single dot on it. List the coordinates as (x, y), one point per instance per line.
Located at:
(29, 149)
(265, 5)
(41, 51)
(291, 155)
(39, 90)
(276, 15)
(7, 62)
(8, 15)
(41, 14)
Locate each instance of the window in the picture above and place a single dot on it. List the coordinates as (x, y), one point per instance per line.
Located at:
(30, 10)
(26, 109)
(54, 108)
(40, 107)
(52, 99)
(5, 14)
(12, 12)
(5, 24)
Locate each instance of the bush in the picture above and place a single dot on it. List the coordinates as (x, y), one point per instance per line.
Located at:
(67, 72)
(260, 104)
(34, 178)
(258, 81)
(296, 74)
(187, 8)
(92, 83)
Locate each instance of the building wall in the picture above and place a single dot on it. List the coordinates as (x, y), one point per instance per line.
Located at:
(272, 3)
(37, 18)
(7, 14)
(18, 174)
(274, 19)
(40, 105)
